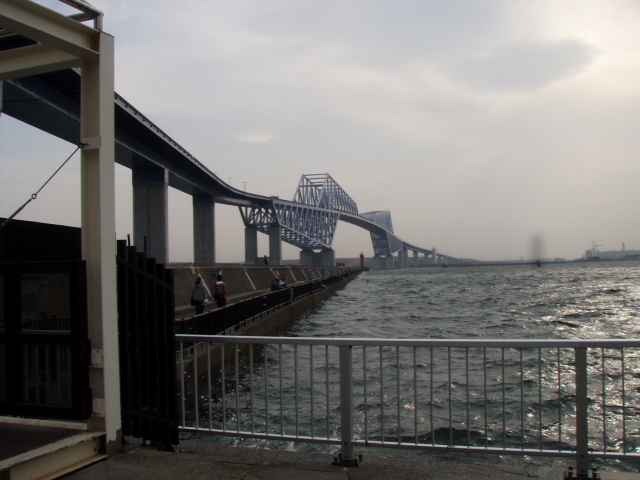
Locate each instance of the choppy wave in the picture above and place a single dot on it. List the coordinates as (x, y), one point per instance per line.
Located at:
(553, 301)
(550, 302)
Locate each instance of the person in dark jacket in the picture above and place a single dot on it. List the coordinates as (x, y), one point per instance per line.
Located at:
(198, 295)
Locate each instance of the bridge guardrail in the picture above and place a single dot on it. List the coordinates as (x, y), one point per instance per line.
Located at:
(235, 315)
(575, 399)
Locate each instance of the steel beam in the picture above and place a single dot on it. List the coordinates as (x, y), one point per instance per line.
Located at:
(34, 60)
(50, 28)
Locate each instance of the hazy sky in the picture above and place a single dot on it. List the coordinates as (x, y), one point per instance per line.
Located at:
(485, 127)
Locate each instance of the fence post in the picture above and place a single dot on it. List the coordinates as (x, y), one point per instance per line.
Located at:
(582, 414)
(345, 457)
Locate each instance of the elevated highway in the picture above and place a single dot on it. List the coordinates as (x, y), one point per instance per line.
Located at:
(50, 101)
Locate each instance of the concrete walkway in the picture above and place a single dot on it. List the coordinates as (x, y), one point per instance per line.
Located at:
(196, 461)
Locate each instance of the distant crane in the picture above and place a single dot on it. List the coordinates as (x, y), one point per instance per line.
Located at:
(593, 252)
(594, 246)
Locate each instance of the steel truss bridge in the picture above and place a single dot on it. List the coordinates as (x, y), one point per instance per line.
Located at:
(309, 221)
(50, 101)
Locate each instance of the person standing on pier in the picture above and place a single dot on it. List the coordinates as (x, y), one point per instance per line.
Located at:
(220, 292)
(274, 286)
(198, 295)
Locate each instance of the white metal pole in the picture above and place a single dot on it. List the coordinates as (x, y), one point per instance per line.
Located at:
(582, 412)
(346, 404)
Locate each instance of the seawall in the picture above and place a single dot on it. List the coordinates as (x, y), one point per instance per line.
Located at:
(242, 281)
(272, 324)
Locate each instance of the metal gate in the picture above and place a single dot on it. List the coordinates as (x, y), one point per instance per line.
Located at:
(148, 379)
(45, 353)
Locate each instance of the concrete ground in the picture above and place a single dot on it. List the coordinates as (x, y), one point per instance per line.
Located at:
(17, 438)
(196, 461)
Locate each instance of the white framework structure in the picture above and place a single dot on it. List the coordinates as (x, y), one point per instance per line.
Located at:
(63, 42)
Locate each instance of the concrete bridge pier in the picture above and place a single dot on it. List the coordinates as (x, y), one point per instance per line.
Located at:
(383, 263)
(416, 263)
(327, 258)
(204, 229)
(251, 245)
(150, 212)
(306, 258)
(275, 245)
(324, 258)
(435, 256)
(405, 257)
(388, 262)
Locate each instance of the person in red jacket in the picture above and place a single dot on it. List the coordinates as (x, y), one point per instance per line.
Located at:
(220, 292)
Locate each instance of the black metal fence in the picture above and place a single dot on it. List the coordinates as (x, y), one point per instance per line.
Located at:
(233, 316)
(45, 353)
(23, 241)
(147, 351)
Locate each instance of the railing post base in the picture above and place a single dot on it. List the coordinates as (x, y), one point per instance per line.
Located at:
(568, 475)
(339, 461)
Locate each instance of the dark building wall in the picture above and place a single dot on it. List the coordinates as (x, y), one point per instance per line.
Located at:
(22, 241)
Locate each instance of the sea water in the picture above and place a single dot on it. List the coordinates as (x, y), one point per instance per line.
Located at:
(554, 301)
(568, 301)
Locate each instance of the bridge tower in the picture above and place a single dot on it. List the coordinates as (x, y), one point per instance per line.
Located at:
(322, 191)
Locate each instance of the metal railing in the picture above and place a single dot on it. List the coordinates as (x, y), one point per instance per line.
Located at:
(555, 398)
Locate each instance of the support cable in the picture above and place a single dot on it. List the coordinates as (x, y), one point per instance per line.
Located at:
(35, 195)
